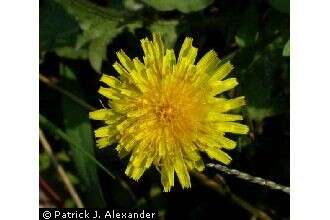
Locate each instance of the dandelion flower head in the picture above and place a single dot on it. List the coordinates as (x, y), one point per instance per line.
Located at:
(165, 110)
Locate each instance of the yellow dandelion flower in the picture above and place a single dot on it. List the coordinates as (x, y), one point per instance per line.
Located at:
(165, 110)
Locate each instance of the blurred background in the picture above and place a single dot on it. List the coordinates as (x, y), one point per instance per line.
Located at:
(78, 41)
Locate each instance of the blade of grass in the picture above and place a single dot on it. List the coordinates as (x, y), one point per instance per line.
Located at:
(44, 122)
(69, 186)
(77, 126)
(79, 101)
(51, 127)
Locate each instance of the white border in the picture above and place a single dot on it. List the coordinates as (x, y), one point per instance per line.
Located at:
(19, 145)
(310, 112)
(310, 124)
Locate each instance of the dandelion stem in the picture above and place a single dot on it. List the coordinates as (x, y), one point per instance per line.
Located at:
(257, 180)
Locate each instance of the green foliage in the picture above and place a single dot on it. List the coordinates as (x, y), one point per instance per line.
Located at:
(69, 203)
(248, 29)
(57, 28)
(167, 29)
(44, 161)
(280, 5)
(72, 53)
(183, 6)
(78, 39)
(99, 27)
(63, 156)
(286, 49)
(78, 128)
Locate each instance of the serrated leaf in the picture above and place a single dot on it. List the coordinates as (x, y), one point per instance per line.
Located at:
(87, 12)
(97, 50)
(78, 129)
(168, 31)
(99, 27)
(183, 6)
(286, 49)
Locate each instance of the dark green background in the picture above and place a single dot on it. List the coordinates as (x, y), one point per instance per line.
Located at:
(78, 41)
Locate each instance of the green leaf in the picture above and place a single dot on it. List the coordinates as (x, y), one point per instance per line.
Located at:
(99, 37)
(63, 156)
(281, 5)
(55, 130)
(260, 80)
(78, 129)
(183, 6)
(69, 203)
(99, 27)
(97, 52)
(133, 26)
(168, 31)
(72, 53)
(259, 114)
(133, 5)
(286, 49)
(73, 179)
(56, 28)
(44, 161)
(86, 12)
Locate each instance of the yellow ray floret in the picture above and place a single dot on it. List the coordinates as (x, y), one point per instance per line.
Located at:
(165, 110)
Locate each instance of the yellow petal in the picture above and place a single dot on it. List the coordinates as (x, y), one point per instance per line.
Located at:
(215, 116)
(182, 172)
(106, 131)
(168, 62)
(101, 114)
(120, 69)
(125, 60)
(233, 103)
(209, 63)
(111, 81)
(222, 72)
(188, 52)
(233, 127)
(109, 93)
(222, 86)
(159, 46)
(104, 142)
(218, 155)
(227, 143)
(165, 180)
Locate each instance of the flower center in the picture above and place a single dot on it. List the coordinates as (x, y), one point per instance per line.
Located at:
(165, 113)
